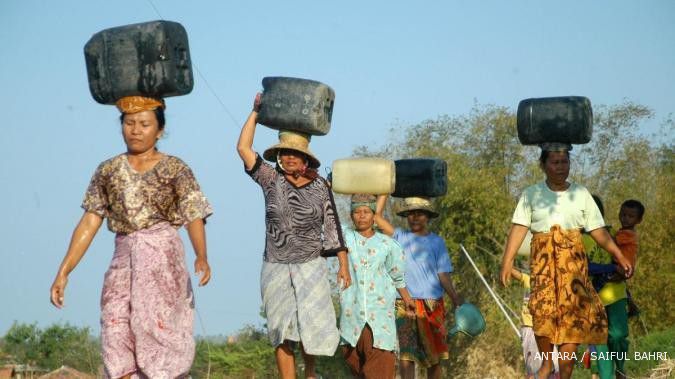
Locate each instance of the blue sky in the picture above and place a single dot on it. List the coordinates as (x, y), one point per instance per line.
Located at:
(390, 63)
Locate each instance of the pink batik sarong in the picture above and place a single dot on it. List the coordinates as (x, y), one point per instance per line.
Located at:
(147, 307)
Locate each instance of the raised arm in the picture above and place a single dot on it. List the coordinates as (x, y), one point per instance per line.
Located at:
(385, 226)
(82, 236)
(245, 143)
(515, 239)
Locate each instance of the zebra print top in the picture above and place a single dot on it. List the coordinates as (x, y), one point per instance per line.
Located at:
(301, 223)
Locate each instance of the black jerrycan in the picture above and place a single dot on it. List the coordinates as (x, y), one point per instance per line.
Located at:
(149, 59)
(567, 119)
(422, 177)
(300, 105)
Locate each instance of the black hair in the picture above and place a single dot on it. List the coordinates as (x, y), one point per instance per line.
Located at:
(159, 114)
(598, 202)
(544, 156)
(634, 204)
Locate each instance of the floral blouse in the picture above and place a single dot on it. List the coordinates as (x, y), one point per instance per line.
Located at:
(132, 201)
(377, 268)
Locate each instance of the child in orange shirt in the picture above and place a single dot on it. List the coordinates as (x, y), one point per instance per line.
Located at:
(626, 238)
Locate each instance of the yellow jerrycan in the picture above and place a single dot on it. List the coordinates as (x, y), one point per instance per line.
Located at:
(375, 176)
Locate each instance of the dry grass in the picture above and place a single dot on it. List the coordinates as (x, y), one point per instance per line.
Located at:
(665, 370)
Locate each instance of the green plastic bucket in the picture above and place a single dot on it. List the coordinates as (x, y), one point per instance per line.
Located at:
(468, 320)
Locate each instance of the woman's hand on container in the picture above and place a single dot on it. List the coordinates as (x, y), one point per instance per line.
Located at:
(202, 268)
(344, 280)
(257, 102)
(245, 142)
(58, 290)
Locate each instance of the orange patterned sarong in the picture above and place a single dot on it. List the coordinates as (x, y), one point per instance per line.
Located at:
(422, 339)
(564, 306)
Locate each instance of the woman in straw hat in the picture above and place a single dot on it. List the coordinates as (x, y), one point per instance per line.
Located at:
(301, 226)
(147, 301)
(566, 310)
(423, 339)
(377, 265)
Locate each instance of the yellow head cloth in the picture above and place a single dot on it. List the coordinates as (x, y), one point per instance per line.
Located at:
(135, 104)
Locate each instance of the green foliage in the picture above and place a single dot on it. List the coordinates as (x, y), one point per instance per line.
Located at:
(662, 341)
(246, 355)
(244, 358)
(53, 347)
(23, 341)
(249, 354)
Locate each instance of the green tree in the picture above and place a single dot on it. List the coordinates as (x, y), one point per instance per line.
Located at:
(53, 347)
(67, 345)
(23, 341)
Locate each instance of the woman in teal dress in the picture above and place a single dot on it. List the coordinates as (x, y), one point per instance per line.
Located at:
(367, 311)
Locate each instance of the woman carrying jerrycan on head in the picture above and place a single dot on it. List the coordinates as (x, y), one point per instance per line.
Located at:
(147, 303)
(367, 317)
(566, 310)
(302, 225)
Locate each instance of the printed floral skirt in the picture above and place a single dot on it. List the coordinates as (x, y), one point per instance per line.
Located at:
(147, 307)
(564, 306)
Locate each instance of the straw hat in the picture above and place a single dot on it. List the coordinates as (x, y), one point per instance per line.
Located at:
(293, 141)
(416, 203)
